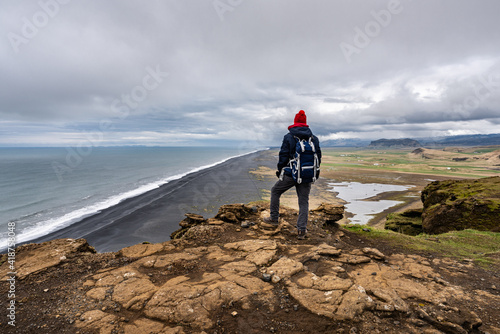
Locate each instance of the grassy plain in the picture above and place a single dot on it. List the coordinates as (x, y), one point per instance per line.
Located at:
(448, 162)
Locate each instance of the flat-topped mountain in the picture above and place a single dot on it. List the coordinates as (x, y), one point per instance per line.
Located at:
(406, 142)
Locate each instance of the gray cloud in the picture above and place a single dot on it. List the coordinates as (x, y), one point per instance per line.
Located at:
(68, 67)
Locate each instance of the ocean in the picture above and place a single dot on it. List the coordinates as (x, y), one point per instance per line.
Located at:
(47, 189)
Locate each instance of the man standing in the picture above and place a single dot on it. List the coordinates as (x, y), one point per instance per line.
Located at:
(298, 131)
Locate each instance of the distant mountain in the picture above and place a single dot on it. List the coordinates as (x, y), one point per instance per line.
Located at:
(405, 142)
(345, 142)
(463, 140)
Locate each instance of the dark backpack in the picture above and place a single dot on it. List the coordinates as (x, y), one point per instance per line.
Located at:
(305, 164)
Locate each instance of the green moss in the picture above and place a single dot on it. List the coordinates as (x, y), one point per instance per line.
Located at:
(408, 222)
(460, 204)
(493, 205)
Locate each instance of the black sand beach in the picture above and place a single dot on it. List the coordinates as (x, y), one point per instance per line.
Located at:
(154, 215)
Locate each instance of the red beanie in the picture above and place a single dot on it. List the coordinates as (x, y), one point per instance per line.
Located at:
(300, 117)
(300, 120)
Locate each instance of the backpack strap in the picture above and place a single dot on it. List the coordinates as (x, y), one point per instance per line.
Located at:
(312, 144)
(301, 143)
(282, 174)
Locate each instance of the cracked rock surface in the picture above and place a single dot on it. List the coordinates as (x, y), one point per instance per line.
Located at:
(219, 278)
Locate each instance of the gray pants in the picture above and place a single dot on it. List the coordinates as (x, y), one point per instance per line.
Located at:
(303, 191)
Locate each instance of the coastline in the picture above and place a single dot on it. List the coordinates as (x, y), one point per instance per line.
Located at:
(154, 215)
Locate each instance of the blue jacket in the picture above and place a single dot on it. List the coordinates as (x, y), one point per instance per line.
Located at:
(287, 150)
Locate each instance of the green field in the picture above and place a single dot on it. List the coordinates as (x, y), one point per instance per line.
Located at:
(468, 163)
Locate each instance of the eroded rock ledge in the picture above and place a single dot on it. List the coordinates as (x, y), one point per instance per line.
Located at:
(233, 273)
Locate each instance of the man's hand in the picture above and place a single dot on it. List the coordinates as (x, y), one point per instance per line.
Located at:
(278, 173)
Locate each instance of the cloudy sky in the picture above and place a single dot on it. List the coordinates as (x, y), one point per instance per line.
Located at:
(210, 72)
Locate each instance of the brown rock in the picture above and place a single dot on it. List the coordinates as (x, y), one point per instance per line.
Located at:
(327, 283)
(411, 265)
(392, 286)
(261, 257)
(204, 231)
(330, 209)
(35, 258)
(216, 253)
(140, 250)
(192, 219)
(239, 267)
(182, 302)
(168, 259)
(353, 259)
(89, 282)
(116, 276)
(144, 325)
(306, 280)
(251, 283)
(252, 245)
(233, 213)
(285, 267)
(373, 253)
(97, 320)
(133, 292)
(318, 302)
(175, 330)
(328, 250)
(331, 212)
(354, 302)
(213, 221)
(97, 293)
(471, 321)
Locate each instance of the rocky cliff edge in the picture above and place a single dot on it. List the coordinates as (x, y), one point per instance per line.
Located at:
(235, 274)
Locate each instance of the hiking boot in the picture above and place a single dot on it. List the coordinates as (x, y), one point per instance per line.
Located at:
(270, 221)
(301, 235)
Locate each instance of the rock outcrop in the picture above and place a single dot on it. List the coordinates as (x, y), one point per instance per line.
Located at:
(220, 277)
(408, 222)
(331, 213)
(35, 258)
(461, 204)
